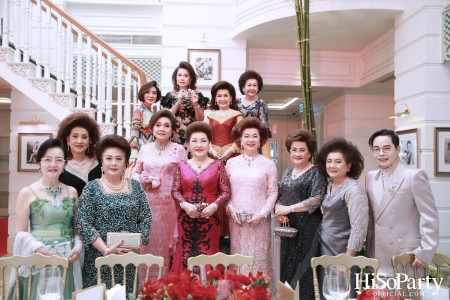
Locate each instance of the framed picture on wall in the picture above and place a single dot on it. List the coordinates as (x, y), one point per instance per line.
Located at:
(206, 63)
(409, 147)
(29, 144)
(442, 151)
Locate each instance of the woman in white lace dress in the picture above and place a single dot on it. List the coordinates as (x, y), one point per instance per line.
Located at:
(254, 190)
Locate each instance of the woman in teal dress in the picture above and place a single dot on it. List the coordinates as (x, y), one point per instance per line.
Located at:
(112, 203)
(49, 207)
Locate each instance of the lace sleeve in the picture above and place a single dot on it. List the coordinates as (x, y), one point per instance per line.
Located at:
(263, 113)
(139, 167)
(167, 101)
(224, 186)
(358, 211)
(181, 154)
(272, 189)
(86, 214)
(176, 187)
(202, 100)
(318, 188)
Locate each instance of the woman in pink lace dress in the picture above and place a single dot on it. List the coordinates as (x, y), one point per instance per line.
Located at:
(254, 190)
(155, 169)
(200, 187)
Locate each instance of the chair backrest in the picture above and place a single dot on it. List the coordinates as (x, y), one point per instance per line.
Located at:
(221, 258)
(404, 259)
(344, 260)
(126, 259)
(440, 259)
(36, 259)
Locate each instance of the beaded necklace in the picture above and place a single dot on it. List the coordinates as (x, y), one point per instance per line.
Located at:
(112, 186)
(161, 149)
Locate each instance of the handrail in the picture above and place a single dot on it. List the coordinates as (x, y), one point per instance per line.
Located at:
(128, 62)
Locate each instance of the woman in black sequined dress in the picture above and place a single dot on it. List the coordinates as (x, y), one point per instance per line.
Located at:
(300, 194)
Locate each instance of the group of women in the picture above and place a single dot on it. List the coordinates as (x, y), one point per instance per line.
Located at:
(185, 173)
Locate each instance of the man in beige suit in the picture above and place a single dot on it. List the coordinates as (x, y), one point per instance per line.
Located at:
(398, 197)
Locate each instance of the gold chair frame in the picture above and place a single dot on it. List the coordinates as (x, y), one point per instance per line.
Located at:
(404, 259)
(30, 261)
(439, 259)
(345, 260)
(221, 258)
(126, 259)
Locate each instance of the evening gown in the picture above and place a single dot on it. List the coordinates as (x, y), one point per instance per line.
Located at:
(73, 178)
(48, 224)
(100, 212)
(254, 190)
(199, 235)
(163, 236)
(296, 252)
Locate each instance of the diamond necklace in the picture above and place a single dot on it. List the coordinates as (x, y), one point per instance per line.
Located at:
(222, 113)
(295, 172)
(161, 149)
(199, 165)
(54, 193)
(249, 159)
(79, 164)
(112, 186)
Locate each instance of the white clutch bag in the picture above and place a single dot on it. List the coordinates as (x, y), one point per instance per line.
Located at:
(60, 249)
(130, 240)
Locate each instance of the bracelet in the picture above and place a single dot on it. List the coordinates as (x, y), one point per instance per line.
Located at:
(106, 252)
(292, 208)
(232, 150)
(182, 205)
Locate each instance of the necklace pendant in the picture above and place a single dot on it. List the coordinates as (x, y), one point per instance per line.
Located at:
(159, 153)
(199, 167)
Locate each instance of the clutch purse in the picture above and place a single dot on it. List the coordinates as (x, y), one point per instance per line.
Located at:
(130, 240)
(285, 231)
(60, 249)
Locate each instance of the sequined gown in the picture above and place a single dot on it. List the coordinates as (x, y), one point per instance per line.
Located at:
(100, 212)
(73, 178)
(254, 190)
(164, 234)
(199, 235)
(296, 253)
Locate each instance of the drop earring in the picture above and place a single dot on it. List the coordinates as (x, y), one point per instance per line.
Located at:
(68, 147)
(103, 173)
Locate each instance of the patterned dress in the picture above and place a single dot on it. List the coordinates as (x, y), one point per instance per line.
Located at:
(164, 234)
(48, 224)
(185, 114)
(73, 178)
(141, 133)
(254, 190)
(199, 235)
(100, 212)
(296, 253)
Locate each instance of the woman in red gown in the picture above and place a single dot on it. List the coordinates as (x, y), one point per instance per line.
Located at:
(200, 187)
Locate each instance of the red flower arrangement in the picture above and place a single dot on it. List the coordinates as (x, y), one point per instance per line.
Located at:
(185, 286)
(378, 294)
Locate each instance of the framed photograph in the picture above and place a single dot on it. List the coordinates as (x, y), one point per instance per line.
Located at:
(409, 147)
(28, 146)
(442, 151)
(206, 64)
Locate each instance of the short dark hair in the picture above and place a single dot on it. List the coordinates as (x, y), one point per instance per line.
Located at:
(408, 142)
(187, 66)
(147, 87)
(164, 113)
(113, 141)
(348, 150)
(302, 135)
(223, 85)
(48, 144)
(385, 132)
(250, 122)
(198, 126)
(250, 74)
(79, 119)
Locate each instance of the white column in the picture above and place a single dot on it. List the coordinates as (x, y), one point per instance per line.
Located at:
(38, 39)
(68, 58)
(5, 36)
(87, 98)
(17, 30)
(79, 70)
(119, 97)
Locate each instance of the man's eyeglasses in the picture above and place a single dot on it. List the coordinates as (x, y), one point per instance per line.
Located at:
(385, 149)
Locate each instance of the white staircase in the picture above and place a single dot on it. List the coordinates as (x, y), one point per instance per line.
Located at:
(42, 54)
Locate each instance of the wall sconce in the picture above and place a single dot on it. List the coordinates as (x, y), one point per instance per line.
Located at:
(204, 38)
(274, 128)
(406, 112)
(34, 121)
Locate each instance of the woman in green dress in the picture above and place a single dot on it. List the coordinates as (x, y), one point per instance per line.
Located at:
(112, 203)
(49, 207)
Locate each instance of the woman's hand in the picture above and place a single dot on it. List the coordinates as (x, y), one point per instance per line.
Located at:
(145, 180)
(227, 155)
(117, 249)
(281, 210)
(74, 255)
(44, 251)
(255, 219)
(194, 98)
(191, 210)
(234, 215)
(209, 210)
(132, 162)
(214, 154)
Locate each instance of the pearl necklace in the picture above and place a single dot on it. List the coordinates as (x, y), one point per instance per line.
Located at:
(199, 165)
(54, 193)
(223, 113)
(161, 149)
(296, 172)
(79, 164)
(249, 159)
(112, 186)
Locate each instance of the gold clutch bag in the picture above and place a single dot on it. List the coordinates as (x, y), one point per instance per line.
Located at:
(130, 240)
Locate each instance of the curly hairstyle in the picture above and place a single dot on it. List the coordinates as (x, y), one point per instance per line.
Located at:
(187, 66)
(146, 87)
(82, 120)
(385, 132)
(249, 122)
(223, 85)
(198, 126)
(302, 135)
(164, 113)
(48, 144)
(348, 150)
(250, 74)
(113, 141)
